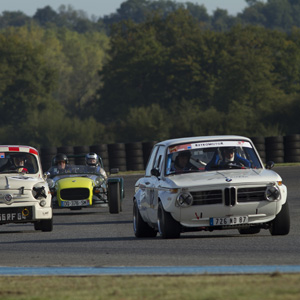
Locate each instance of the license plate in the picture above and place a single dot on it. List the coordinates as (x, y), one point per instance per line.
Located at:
(228, 221)
(71, 203)
(17, 214)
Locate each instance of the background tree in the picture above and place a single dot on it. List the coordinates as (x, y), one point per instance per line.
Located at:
(151, 121)
(15, 18)
(27, 82)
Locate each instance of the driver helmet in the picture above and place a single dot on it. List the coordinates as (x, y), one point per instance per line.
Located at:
(91, 159)
(228, 152)
(185, 153)
(229, 149)
(60, 157)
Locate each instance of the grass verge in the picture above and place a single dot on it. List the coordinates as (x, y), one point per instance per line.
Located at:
(268, 287)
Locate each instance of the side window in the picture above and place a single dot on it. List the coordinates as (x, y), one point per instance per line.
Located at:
(158, 164)
(151, 161)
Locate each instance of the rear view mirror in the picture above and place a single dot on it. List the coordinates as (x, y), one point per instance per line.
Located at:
(155, 172)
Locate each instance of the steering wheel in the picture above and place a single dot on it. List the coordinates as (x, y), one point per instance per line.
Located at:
(233, 165)
(16, 168)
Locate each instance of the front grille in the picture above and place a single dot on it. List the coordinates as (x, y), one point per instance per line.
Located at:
(232, 195)
(207, 197)
(75, 194)
(251, 194)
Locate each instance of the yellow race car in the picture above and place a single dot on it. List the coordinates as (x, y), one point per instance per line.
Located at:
(84, 186)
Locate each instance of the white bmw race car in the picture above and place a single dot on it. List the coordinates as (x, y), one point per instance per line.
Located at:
(209, 183)
(24, 194)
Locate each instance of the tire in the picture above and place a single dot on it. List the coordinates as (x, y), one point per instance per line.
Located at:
(281, 224)
(98, 148)
(292, 152)
(49, 151)
(140, 227)
(114, 197)
(81, 149)
(117, 154)
(135, 167)
(66, 150)
(133, 146)
(275, 146)
(80, 161)
(135, 160)
(46, 162)
(295, 158)
(167, 226)
(292, 138)
(116, 147)
(258, 140)
(260, 147)
(44, 225)
(274, 139)
(275, 153)
(292, 145)
(37, 225)
(250, 230)
(278, 160)
(134, 153)
(262, 153)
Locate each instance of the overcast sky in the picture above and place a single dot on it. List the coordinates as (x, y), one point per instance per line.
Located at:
(100, 8)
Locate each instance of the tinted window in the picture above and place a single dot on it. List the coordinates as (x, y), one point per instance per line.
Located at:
(150, 161)
(11, 162)
(208, 156)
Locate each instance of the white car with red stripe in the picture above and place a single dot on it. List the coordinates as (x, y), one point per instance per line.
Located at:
(209, 183)
(24, 193)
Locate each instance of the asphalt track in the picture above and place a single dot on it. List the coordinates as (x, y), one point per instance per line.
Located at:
(93, 242)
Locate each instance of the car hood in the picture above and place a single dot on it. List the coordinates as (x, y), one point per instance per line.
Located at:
(231, 177)
(75, 182)
(17, 181)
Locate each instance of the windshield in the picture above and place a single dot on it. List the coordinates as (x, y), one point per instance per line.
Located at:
(208, 156)
(18, 162)
(74, 169)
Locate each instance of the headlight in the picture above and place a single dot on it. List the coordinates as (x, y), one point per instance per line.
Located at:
(272, 193)
(43, 203)
(39, 192)
(99, 181)
(51, 183)
(184, 199)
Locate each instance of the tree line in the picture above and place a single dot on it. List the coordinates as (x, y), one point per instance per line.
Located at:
(147, 75)
(281, 15)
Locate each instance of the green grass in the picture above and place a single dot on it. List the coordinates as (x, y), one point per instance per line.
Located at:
(234, 287)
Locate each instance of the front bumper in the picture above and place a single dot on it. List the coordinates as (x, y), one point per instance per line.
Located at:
(232, 202)
(25, 212)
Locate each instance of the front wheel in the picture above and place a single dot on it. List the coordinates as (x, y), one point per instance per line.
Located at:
(281, 224)
(140, 227)
(250, 230)
(167, 226)
(114, 197)
(44, 225)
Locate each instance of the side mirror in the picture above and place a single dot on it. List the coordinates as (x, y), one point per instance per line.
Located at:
(47, 175)
(269, 165)
(155, 172)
